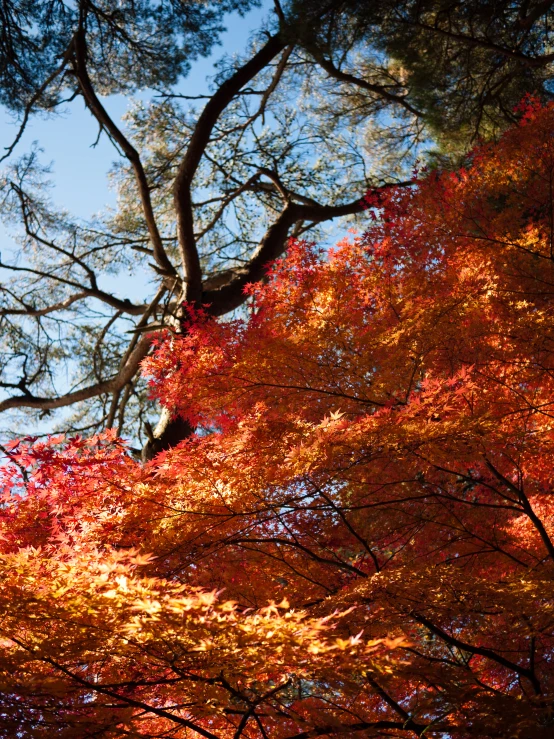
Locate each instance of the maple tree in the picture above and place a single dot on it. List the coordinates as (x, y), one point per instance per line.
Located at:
(359, 538)
(325, 101)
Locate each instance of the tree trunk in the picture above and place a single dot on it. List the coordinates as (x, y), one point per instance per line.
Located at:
(169, 432)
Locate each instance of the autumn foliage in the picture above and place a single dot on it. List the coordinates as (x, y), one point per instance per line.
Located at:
(359, 540)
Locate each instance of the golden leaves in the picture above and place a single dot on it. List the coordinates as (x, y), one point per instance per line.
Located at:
(365, 524)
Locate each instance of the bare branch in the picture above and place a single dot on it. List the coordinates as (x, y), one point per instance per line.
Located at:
(281, 66)
(339, 728)
(482, 651)
(526, 21)
(132, 344)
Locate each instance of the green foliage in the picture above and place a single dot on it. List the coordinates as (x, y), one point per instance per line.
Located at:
(464, 65)
(132, 44)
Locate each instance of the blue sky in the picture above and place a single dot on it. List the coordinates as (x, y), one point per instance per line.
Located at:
(79, 170)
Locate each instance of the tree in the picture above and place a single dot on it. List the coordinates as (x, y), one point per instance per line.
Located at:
(461, 67)
(332, 99)
(374, 463)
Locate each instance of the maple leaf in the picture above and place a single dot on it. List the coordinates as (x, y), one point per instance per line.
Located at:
(294, 561)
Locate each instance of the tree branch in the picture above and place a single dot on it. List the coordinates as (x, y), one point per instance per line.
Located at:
(228, 297)
(332, 729)
(380, 90)
(538, 61)
(29, 107)
(481, 651)
(38, 312)
(125, 306)
(526, 21)
(195, 149)
(125, 374)
(163, 262)
(526, 506)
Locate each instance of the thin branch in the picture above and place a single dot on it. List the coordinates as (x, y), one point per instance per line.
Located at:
(297, 545)
(125, 306)
(351, 79)
(333, 729)
(526, 505)
(99, 388)
(281, 66)
(38, 312)
(409, 722)
(526, 21)
(29, 107)
(528, 61)
(143, 321)
(163, 262)
(481, 651)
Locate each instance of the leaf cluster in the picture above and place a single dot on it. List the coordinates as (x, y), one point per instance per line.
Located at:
(370, 487)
